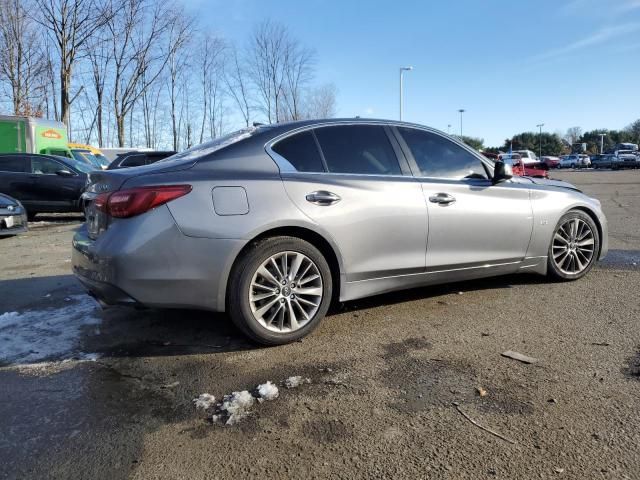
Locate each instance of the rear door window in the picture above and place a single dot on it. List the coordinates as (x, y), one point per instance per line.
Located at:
(301, 151)
(14, 164)
(358, 149)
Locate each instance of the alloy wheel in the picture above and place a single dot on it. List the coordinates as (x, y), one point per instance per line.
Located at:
(286, 292)
(573, 246)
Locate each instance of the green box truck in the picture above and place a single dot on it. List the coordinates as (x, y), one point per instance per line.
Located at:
(33, 135)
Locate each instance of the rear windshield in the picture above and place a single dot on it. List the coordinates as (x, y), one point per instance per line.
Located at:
(204, 149)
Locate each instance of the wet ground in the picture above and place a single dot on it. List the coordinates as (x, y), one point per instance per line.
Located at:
(97, 394)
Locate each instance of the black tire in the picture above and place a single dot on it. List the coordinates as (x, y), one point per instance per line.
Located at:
(239, 307)
(573, 165)
(552, 269)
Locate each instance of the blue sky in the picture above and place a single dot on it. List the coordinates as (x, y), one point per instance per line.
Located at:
(511, 64)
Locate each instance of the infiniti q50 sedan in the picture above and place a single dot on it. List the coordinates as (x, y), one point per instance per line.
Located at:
(271, 224)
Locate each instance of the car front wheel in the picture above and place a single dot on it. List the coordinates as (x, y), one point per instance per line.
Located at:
(574, 246)
(279, 290)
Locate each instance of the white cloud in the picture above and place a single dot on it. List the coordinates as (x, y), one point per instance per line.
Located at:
(369, 111)
(597, 38)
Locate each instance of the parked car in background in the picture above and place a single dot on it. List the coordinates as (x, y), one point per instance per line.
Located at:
(44, 183)
(13, 216)
(112, 153)
(96, 152)
(626, 159)
(550, 161)
(138, 158)
(606, 160)
(272, 223)
(575, 160)
(527, 156)
(518, 167)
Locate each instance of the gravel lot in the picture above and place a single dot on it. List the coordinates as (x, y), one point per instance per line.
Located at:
(91, 394)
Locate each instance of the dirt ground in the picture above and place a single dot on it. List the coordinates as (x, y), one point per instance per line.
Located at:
(92, 394)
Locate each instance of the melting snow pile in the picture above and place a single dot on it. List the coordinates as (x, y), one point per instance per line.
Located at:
(237, 405)
(204, 401)
(293, 382)
(34, 335)
(268, 391)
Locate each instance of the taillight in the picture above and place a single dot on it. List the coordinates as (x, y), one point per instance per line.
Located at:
(134, 201)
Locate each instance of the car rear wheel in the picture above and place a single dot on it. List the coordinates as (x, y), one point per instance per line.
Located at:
(280, 290)
(574, 247)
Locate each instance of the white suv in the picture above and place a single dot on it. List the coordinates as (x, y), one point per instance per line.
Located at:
(574, 160)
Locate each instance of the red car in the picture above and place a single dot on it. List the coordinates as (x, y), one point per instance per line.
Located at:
(551, 162)
(518, 167)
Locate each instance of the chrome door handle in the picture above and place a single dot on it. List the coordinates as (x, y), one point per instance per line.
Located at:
(323, 198)
(442, 198)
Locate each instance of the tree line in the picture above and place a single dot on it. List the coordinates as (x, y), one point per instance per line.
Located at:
(145, 72)
(569, 142)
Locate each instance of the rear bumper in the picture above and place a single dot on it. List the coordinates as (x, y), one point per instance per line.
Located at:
(148, 261)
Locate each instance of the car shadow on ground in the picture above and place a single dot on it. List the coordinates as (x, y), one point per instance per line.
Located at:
(133, 332)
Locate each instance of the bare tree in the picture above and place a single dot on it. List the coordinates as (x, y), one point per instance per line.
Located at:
(267, 54)
(179, 36)
(210, 62)
(22, 60)
(298, 72)
(237, 81)
(321, 102)
(573, 135)
(99, 56)
(71, 23)
(136, 34)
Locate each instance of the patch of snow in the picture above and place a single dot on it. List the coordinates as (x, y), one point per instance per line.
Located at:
(204, 401)
(237, 406)
(296, 381)
(8, 318)
(268, 391)
(34, 335)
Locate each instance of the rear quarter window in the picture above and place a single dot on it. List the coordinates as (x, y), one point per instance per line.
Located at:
(14, 164)
(301, 151)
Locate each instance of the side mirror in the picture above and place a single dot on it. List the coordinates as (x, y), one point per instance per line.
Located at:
(65, 173)
(501, 172)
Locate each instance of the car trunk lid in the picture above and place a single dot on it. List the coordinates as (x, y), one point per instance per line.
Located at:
(106, 181)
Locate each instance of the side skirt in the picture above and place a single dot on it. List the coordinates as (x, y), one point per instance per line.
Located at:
(376, 286)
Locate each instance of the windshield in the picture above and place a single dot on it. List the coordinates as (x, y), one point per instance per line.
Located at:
(104, 161)
(214, 145)
(85, 156)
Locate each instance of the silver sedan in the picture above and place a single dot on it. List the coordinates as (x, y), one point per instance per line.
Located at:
(271, 224)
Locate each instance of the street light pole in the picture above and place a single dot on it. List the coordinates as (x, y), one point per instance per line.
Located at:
(402, 70)
(449, 129)
(462, 110)
(540, 125)
(602, 135)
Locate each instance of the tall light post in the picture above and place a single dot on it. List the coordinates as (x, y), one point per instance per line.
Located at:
(449, 129)
(540, 125)
(602, 135)
(461, 111)
(402, 70)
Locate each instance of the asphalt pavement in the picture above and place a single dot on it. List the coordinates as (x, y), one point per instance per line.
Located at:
(404, 385)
